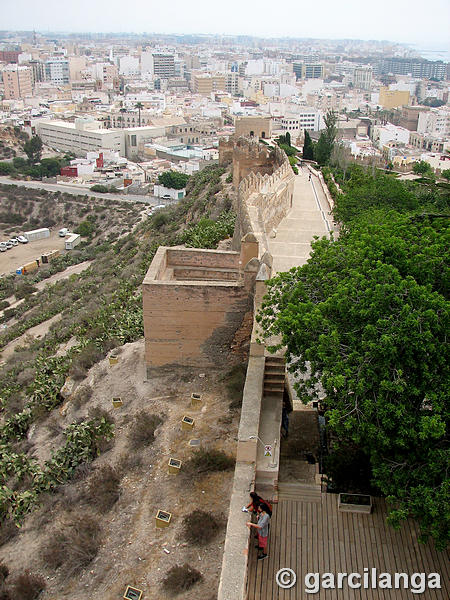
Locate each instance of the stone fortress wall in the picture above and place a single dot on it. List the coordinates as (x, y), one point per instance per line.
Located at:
(264, 181)
(199, 304)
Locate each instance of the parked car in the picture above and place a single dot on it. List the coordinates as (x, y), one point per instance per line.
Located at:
(3, 247)
(14, 241)
(8, 245)
(22, 239)
(63, 232)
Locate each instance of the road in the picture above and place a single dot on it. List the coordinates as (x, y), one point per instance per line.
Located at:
(78, 191)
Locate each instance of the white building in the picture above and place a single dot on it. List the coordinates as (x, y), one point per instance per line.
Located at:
(308, 118)
(129, 66)
(85, 135)
(435, 122)
(56, 70)
(382, 134)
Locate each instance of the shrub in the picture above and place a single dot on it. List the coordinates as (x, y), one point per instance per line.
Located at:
(142, 429)
(24, 289)
(27, 586)
(8, 531)
(6, 168)
(181, 578)
(102, 189)
(200, 527)
(72, 545)
(82, 395)
(87, 358)
(4, 572)
(209, 460)
(229, 178)
(103, 488)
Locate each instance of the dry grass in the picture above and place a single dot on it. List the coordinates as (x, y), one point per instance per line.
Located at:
(201, 527)
(180, 579)
(82, 395)
(142, 430)
(103, 488)
(8, 531)
(206, 460)
(27, 586)
(73, 544)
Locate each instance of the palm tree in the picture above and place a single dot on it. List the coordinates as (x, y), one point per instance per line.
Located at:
(139, 106)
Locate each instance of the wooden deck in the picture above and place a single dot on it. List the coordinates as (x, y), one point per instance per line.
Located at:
(315, 537)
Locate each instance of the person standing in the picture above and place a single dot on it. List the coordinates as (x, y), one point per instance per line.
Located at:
(262, 526)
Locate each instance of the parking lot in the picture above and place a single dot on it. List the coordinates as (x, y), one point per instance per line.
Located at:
(19, 255)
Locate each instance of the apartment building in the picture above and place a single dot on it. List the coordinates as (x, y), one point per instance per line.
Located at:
(296, 123)
(56, 70)
(362, 78)
(393, 98)
(417, 67)
(17, 82)
(205, 83)
(435, 122)
(164, 66)
(308, 70)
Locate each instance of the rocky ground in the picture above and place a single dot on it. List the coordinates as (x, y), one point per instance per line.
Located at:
(132, 550)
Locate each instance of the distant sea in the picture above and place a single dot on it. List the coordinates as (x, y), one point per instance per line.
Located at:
(432, 53)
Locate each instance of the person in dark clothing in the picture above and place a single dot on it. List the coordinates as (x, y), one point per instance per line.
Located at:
(256, 502)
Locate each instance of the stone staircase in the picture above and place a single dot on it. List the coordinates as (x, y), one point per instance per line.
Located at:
(274, 376)
(299, 492)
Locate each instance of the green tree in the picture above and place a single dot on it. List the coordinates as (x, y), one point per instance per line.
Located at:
(365, 192)
(33, 149)
(50, 167)
(422, 168)
(367, 320)
(19, 163)
(139, 106)
(446, 174)
(308, 147)
(6, 168)
(173, 179)
(325, 145)
(288, 138)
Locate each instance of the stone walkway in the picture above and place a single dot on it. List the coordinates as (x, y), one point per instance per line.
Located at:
(307, 218)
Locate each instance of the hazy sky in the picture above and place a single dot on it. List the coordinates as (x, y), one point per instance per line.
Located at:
(412, 21)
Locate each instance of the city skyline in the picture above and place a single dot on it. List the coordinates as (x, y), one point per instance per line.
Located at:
(404, 22)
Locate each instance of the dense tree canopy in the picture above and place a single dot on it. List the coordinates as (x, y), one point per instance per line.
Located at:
(173, 179)
(366, 322)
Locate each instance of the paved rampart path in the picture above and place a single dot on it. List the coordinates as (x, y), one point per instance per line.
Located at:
(309, 216)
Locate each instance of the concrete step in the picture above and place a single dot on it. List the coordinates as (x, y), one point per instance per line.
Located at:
(273, 378)
(299, 492)
(274, 360)
(273, 390)
(274, 369)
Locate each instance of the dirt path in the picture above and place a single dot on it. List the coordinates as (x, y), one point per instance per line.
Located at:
(74, 269)
(36, 332)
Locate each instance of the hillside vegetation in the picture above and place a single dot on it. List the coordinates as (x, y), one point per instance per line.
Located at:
(101, 309)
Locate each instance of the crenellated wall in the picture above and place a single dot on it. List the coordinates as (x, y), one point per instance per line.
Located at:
(264, 194)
